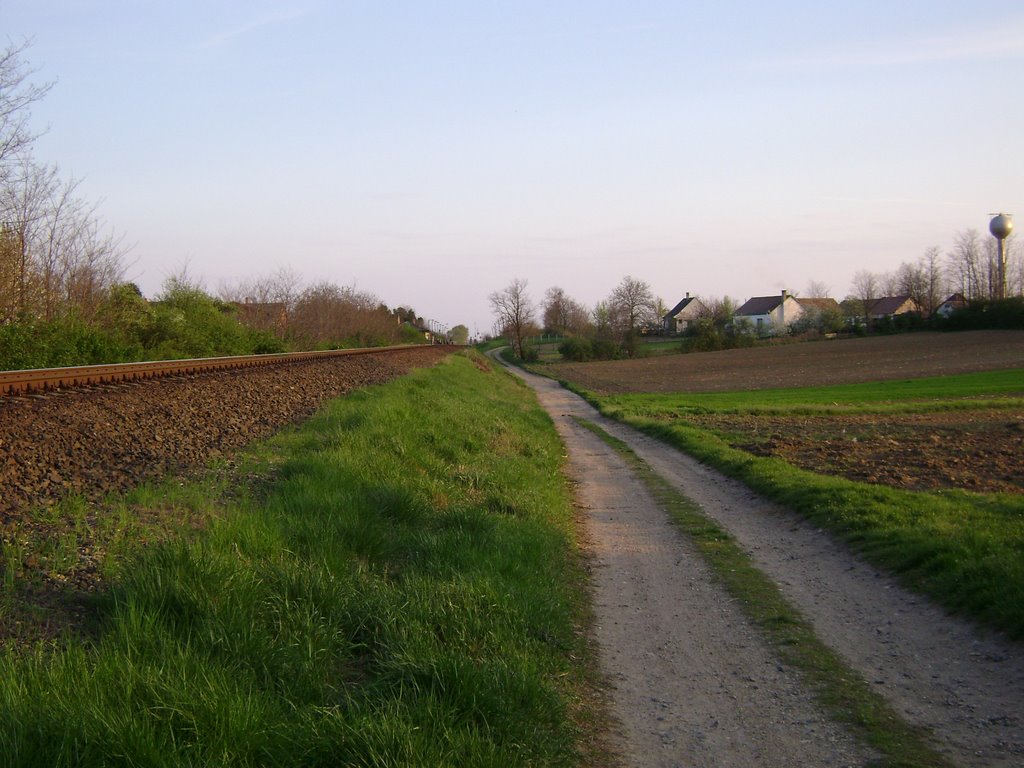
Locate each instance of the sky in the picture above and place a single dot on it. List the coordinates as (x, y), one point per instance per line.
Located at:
(430, 153)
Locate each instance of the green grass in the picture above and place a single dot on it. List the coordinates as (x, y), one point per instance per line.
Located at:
(660, 347)
(964, 549)
(842, 692)
(397, 586)
(998, 388)
(487, 346)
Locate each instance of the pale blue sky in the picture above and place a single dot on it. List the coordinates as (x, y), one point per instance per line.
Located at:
(432, 152)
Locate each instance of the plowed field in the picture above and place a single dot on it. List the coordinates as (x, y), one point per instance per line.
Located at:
(978, 449)
(812, 364)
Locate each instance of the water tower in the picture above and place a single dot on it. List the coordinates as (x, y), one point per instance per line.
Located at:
(1001, 226)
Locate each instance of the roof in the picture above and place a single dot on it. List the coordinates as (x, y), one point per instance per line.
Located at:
(956, 300)
(681, 306)
(760, 305)
(890, 305)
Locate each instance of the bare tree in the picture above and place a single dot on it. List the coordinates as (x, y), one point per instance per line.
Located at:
(910, 281)
(267, 302)
(719, 311)
(562, 314)
(888, 284)
(17, 95)
(1014, 267)
(60, 260)
(514, 313)
(632, 306)
(934, 287)
(865, 291)
(966, 264)
(817, 290)
(23, 200)
(328, 315)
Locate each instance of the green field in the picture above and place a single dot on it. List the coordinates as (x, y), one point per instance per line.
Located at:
(964, 549)
(998, 388)
(394, 583)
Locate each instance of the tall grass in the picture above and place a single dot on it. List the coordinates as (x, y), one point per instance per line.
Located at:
(402, 593)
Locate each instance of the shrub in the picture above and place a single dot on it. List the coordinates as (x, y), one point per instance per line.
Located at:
(60, 343)
(702, 336)
(1007, 314)
(604, 349)
(576, 349)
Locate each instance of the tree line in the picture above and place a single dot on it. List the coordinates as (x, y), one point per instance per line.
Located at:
(57, 257)
(970, 268)
(63, 295)
(614, 326)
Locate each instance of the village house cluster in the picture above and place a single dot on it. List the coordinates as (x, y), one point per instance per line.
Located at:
(777, 314)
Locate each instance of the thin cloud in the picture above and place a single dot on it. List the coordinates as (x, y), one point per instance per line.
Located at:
(267, 20)
(1005, 42)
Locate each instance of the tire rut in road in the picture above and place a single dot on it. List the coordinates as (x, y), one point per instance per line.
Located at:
(937, 672)
(693, 683)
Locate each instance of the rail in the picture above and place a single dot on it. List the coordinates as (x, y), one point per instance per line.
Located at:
(48, 379)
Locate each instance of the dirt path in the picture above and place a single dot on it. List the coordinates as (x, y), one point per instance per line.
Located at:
(692, 683)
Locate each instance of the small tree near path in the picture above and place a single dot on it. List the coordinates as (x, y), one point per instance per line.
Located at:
(514, 312)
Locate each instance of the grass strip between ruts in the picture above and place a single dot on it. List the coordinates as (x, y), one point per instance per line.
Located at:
(844, 693)
(962, 549)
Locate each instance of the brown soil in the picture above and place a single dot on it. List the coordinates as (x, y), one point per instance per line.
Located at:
(973, 450)
(976, 450)
(841, 361)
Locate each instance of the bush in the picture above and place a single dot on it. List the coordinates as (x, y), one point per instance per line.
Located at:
(702, 336)
(187, 323)
(59, 343)
(1007, 314)
(575, 349)
(604, 349)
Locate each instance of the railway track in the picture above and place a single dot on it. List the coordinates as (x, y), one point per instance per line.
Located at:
(48, 379)
(90, 430)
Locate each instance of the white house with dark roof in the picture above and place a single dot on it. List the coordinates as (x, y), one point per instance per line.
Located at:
(951, 305)
(678, 319)
(770, 315)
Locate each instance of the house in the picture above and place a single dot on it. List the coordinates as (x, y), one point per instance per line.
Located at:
(951, 305)
(678, 319)
(891, 306)
(820, 314)
(769, 315)
(820, 305)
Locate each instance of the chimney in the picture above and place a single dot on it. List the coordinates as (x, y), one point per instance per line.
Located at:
(687, 294)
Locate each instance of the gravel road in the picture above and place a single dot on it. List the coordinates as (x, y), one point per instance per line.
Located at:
(692, 682)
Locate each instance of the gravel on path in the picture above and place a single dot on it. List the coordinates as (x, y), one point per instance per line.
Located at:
(692, 682)
(963, 684)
